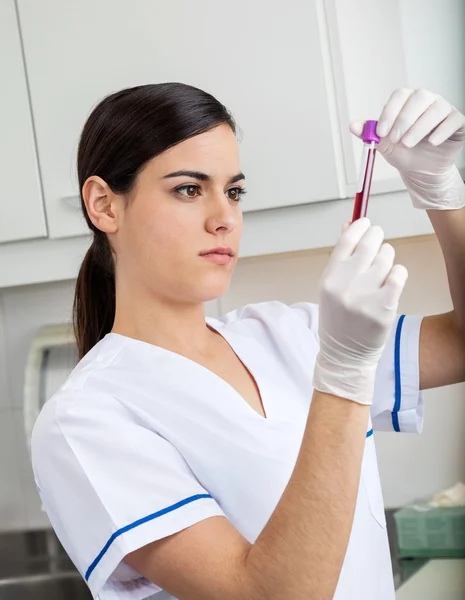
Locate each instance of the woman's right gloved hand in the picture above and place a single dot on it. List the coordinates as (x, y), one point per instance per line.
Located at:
(359, 294)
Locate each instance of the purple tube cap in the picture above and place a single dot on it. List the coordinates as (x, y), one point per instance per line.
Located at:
(369, 132)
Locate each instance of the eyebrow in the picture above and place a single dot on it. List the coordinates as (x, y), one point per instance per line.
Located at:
(202, 176)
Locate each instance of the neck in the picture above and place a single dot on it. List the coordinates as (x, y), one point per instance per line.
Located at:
(176, 326)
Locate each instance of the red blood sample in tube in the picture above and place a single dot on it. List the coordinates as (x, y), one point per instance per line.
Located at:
(370, 140)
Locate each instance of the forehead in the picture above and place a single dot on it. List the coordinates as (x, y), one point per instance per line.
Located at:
(216, 149)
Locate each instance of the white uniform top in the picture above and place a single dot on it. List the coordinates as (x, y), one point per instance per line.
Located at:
(141, 442)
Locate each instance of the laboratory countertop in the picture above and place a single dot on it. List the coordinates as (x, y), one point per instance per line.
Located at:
(439, 579)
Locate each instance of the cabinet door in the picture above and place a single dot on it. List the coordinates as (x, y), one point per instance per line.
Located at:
(21, 206)
(379, 46)
(262, 59)
(369, 64)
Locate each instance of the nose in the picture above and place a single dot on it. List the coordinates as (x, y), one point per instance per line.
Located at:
(222, 214)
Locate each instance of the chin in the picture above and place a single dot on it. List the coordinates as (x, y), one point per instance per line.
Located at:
(212, 290)
(213, 294)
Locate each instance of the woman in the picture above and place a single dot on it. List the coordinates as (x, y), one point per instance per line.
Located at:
(216, 459)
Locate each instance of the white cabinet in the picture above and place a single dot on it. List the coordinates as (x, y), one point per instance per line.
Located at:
(261, 59)
(293, 74)
(21, 207)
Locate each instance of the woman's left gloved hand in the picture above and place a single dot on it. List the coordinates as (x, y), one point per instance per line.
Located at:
(421, 136)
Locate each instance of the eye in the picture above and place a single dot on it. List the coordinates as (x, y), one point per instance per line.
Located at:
(191, 190)
(237, 193)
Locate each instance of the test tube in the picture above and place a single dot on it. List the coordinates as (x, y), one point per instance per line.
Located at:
(370, 140)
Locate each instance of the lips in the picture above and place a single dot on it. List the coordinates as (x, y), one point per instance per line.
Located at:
(220, 250)
(219, 256)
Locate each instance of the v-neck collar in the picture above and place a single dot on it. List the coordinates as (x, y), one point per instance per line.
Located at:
(221, 330)
(233, 339)
(259, 361)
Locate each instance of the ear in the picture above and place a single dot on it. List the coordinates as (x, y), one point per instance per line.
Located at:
(103, 206)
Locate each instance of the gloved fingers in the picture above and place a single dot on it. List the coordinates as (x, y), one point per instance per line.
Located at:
(349, 239)
(453, 127)
(391, 109)
(416, 104)
(345, 226)
(394, 286)
(435, 115)
(356, 127)
(368, 247)
(382, 264)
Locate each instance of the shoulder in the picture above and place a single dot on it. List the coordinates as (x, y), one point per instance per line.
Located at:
(82, 403)
(74, 429)
(70, 413)
(275, 319)
(274, 312)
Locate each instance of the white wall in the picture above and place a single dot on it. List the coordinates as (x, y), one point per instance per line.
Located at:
(411, 466)
(24, 310)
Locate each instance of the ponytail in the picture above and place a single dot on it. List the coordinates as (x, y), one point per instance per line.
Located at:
(94, 297)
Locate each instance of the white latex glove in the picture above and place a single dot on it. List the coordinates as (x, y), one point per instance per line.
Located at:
(421, 136)
(359, 293)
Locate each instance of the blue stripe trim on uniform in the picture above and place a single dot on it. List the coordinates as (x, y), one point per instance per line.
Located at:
(141, 522)
(369, 433)
(397, 375)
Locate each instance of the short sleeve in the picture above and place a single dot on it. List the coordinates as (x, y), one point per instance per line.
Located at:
(109, 486)
(398, 401)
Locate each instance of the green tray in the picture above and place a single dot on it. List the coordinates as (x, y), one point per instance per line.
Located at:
(423, 531)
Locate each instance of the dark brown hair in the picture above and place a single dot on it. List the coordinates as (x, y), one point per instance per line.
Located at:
(123, 132)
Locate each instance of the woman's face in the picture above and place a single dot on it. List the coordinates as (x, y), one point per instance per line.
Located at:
(186, 202)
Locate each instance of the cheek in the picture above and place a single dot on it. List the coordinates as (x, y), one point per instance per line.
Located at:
(240, 223)
(162, 236)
